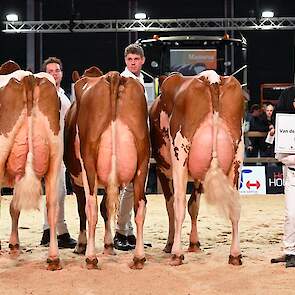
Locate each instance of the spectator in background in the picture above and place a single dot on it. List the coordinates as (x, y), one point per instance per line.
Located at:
(257, 145)
(53, 66)
(268, 119)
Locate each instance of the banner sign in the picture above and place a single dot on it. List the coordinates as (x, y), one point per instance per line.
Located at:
(285, 133)
(252, 180)
(274, 180)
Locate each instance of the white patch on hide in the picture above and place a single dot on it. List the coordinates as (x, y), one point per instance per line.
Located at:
(181, 147)
(47, 76)
(19, 75)
(211, 75)
(164, 120)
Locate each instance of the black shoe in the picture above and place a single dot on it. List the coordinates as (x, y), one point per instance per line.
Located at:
(65, 241)
(278, 259)
(290, 260)
(120, 242)
(45, 238)
(131, 240)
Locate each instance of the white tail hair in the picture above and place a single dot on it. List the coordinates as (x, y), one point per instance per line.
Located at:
(27, 191)
(217, 188)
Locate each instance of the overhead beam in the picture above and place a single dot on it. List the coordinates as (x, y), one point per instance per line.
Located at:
(151, 25)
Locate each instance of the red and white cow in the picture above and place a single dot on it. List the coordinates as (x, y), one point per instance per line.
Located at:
(196, 131)
(31, 147)
(107, 145)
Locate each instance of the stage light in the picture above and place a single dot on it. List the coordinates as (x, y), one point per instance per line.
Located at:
(267, 13)
(140, 15)
(12, 17)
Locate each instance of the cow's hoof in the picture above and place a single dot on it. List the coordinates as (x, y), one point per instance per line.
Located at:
(168, 247)
(109, 249)
(194, 247)
(53, 264)
(137, 263)
(14, 250)
(235, 260)
(80, 249)
(92, 263)
(176, 260)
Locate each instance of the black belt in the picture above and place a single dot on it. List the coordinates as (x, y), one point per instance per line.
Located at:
(293, 169)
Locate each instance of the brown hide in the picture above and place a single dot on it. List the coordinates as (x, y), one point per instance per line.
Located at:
(91, 72)
(191, 99)
(49, 103)
(92, 112)
(9, 67)
(231, 105)
(17, 95)
(14, 89)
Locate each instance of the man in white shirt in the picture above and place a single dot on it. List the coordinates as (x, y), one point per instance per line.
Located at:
(124, 238)
(286, 104)
(53, 66)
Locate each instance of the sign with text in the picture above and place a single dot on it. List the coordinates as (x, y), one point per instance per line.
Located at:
(274, 180)
(285, 134)
(252, 180)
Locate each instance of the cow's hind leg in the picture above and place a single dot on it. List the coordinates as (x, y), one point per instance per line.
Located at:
(91, 208)
(193, 210)
(179, 154)
(235, 257)
(14, 248)
(140, 210)
(51, 188)
(108, 238)
(81, 203)
(167, 188)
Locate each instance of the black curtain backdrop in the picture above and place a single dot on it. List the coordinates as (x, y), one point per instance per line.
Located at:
(270, 53)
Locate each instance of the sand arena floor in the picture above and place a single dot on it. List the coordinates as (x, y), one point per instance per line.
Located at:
(206, 272)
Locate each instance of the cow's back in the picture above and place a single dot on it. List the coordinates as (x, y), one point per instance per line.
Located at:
(96, 127)
(185, 108)
(29, 124)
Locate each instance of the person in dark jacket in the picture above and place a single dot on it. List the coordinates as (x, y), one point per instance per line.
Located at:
(256, 144)
(267, 117)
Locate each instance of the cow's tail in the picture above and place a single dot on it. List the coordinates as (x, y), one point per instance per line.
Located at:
(27, 190)
(112, 189)
(218, 189)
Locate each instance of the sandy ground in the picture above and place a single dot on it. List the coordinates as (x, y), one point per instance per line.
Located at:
(206, 272)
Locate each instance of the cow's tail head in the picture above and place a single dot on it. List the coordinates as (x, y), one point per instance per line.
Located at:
(112, 190)
(220, 192)
(114, 79)
(29, 84)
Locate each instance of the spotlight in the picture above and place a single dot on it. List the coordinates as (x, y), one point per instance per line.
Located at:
(140, 15)
(267, 13)
(12, 17)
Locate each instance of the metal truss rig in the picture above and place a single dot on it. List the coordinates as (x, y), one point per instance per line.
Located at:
(151, 25)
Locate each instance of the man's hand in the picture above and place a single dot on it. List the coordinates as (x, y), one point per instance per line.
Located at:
(271, 130)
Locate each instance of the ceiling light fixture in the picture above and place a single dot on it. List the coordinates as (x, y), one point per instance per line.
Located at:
(267, 13)
(140, 15)
(12, 17)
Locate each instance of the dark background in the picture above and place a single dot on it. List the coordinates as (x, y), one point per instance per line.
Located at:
(270, 54)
